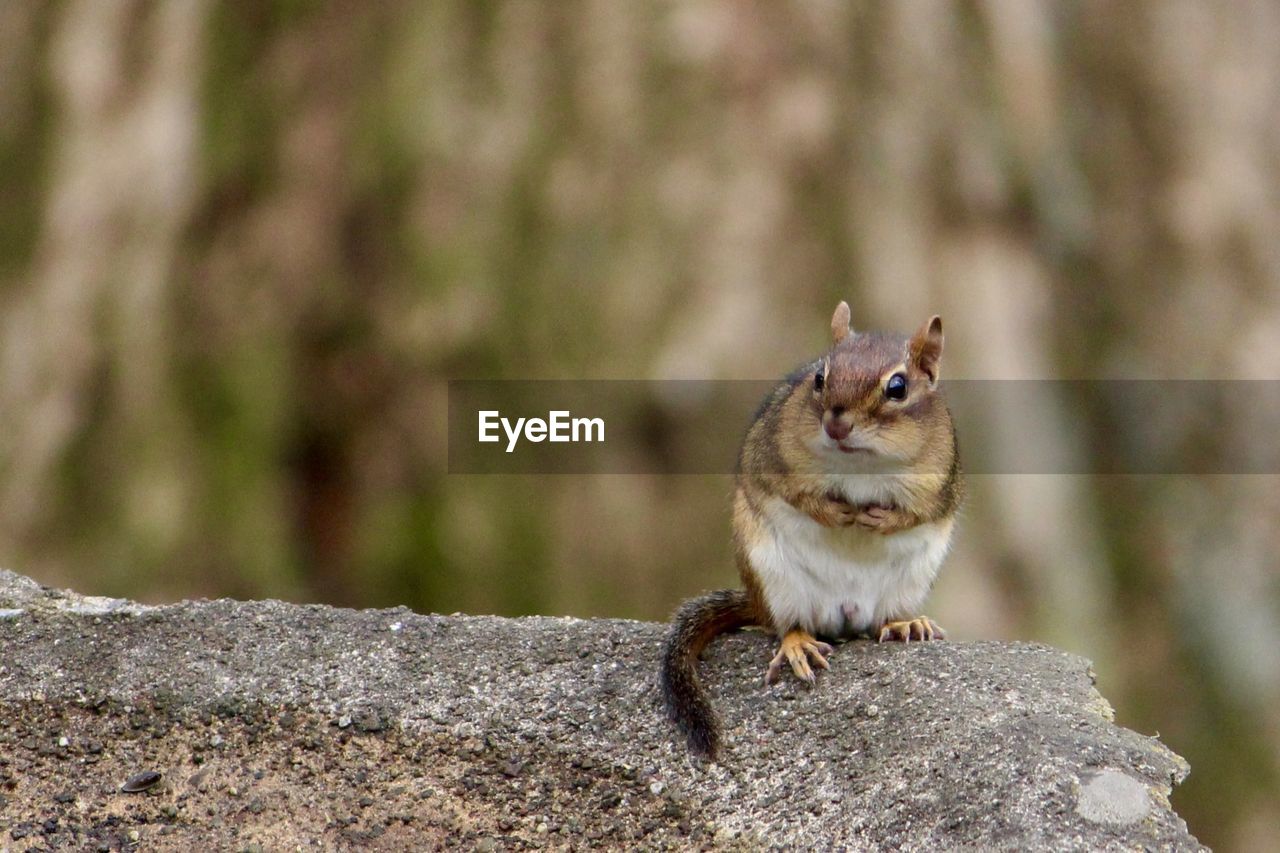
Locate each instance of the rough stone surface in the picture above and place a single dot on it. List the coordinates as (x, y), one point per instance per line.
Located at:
(277, 726)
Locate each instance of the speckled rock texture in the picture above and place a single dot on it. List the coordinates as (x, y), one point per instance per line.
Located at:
(274, 726)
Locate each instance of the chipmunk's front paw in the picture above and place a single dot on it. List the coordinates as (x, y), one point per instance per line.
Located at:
(833, 512)
(920, 628)
(882, 519)
(798, 648)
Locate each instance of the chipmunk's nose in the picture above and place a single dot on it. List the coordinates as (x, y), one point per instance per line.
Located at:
(835, 425)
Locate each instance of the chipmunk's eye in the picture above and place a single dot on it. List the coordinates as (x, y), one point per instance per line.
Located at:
(818, 380)
(896, 387)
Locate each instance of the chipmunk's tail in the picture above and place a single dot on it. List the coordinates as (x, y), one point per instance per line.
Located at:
(697, 623)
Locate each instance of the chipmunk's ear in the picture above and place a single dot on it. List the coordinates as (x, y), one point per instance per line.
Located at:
(840, 323)
(925, 348)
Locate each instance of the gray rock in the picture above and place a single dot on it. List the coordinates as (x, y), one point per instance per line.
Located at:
(541, 731)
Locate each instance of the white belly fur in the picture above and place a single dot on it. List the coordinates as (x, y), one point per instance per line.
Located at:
(844, 581)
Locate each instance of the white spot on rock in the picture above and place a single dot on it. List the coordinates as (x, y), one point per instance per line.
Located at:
(1113, 797)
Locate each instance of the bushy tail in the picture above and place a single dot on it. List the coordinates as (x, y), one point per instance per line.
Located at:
(697, 623)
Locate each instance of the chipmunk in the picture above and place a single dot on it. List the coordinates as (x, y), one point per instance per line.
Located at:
(847, 487)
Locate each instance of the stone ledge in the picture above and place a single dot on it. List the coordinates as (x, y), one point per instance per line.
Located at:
(281, 725)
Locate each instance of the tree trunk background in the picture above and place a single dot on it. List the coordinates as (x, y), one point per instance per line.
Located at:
(243, 245)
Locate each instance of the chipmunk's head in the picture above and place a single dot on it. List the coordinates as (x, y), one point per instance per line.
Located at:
(875, 393)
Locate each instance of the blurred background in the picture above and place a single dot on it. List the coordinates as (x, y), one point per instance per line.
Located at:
(244, 245)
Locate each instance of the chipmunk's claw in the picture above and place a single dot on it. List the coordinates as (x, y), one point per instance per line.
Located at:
(798, 648)
(920, 628)
(882, 519)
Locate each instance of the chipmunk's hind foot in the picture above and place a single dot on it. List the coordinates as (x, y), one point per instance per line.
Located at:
(920, 628)
(798, 648)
